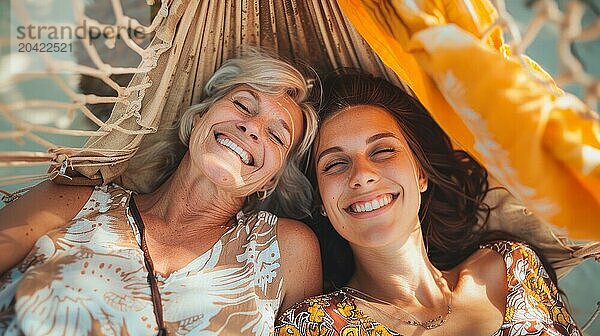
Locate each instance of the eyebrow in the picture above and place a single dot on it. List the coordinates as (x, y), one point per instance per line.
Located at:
(378, 136)
(252, 93)
(329, 151)
(372, 138)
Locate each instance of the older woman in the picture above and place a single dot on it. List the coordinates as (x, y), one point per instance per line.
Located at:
(194, 256)
(402, 210)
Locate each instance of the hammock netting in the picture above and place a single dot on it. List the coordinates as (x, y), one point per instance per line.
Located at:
(123, 92)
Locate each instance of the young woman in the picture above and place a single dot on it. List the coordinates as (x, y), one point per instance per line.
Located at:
(193, 257)
(401, 208)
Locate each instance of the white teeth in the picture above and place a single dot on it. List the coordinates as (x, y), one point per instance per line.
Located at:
(372, 205)
(245, 156)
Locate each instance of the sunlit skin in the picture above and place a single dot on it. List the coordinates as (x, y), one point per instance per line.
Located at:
(263, 125)
(198, 203)
(373, 162)
(370, 163)
(212, 181)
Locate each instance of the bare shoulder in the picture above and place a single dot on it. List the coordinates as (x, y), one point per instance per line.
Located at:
(297, 241)
(64, 201)
(485, 272)
(486, 263)
(45, 207)
(291, 231)
(300, 261)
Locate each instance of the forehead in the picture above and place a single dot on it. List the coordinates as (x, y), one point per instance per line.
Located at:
(357, 122)
(278, 106)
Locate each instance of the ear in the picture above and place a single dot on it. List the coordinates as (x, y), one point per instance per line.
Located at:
(423, 181)
(322, 211)
(422, 184)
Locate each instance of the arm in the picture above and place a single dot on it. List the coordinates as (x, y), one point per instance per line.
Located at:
(45, 207)
(300, 262)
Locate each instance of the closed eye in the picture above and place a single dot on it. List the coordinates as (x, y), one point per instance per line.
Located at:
(384, 151)
(241, 106)
(277, 138)
(337, 164)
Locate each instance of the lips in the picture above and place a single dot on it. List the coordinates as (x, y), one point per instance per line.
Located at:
(236, 148)
(373, 204)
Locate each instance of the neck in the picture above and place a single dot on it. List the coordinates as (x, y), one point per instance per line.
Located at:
(189, 201)
(400, 274)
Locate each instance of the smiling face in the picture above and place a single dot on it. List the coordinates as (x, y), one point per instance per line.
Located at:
(367, 177)
(243, 140)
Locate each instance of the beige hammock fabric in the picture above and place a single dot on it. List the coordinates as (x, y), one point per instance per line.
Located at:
(204, 34)
(192, 38)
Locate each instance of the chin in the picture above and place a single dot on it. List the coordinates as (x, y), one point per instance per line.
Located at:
(375, 236)
(220, 171)
(225, 175)
(374, 239)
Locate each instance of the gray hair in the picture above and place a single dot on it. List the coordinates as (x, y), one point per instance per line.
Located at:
(292, 193)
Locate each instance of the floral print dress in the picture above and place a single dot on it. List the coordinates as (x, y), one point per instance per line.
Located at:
(90, 278)
(533, 305)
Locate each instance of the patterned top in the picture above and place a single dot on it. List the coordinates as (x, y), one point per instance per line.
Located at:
(89, 278)
(533, 305)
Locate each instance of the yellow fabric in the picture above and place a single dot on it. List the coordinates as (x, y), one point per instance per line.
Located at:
(528, 133)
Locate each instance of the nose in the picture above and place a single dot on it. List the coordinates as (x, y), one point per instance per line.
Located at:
(363, 174)
(248, 128)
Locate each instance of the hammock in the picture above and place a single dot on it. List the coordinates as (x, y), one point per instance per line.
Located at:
(186, 40)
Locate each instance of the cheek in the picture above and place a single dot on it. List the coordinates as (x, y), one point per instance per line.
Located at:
(275, 159)
(200, 132)
(329, 190)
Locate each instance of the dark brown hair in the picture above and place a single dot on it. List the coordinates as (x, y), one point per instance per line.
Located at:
(451, 207)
